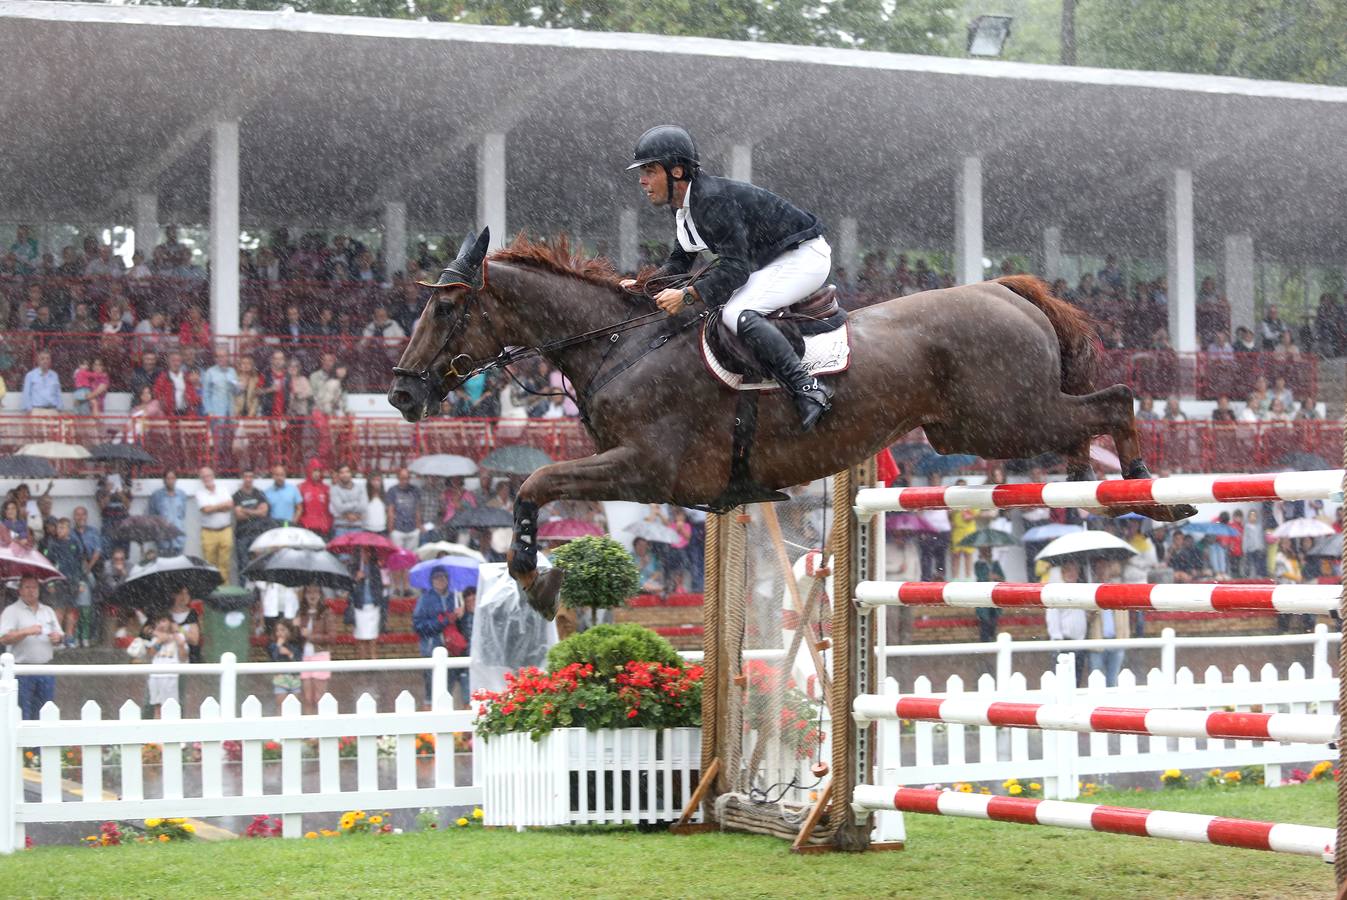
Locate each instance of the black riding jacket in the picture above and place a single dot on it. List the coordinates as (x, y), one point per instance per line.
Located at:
(745, 226)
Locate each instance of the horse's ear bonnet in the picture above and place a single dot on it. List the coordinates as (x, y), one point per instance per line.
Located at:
(466, 269)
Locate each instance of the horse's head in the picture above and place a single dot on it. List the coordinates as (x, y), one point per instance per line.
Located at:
(450, 335)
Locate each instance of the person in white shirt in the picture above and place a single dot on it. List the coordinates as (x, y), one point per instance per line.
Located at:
(1068, 624)
(217, 522)
(30, 630)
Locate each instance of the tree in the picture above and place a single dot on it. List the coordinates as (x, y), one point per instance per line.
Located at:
(904, 26)
(1293, 40)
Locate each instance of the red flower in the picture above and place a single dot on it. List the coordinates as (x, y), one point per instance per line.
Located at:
(631, 713)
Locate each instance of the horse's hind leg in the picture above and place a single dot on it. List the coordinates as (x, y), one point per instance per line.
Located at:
(1113, 406)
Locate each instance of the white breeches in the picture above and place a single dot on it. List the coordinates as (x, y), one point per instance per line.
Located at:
(788, 279)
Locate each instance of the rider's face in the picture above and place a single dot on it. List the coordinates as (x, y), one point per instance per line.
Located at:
(655, 185)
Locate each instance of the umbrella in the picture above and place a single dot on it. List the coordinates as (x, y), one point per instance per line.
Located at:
(296, 568)
(1209, 529)
(910, 453)
(567, 530)
(462, 572)
(1330, 545)
(1087, 544)
(480, 517)
(286, 536)
(655, 532)
(26, 467)
(154, 583)
(516, 460)
(1302, 462)
(127, 453)
(54, 450)
(906, 521)
(988, 537)
(1299, 528)
(400, 560)
(18, 560)
(435, 548)
(354, 540)
(1049, 532)
(443, 465)
(144, 529)
(938, 464)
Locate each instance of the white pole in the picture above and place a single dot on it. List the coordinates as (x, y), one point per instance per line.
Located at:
(224, 228)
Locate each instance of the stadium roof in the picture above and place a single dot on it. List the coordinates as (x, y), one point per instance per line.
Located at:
(340, 113)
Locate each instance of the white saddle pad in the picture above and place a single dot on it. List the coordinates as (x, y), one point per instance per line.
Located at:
(824, 354)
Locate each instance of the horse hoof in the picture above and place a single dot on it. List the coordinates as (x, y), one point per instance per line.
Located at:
(1159, 513)
(521, 565)
(543, 593)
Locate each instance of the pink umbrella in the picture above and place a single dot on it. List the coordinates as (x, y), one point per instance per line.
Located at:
(400, 560)
(567, 530)
(354, 540)
(18, 560)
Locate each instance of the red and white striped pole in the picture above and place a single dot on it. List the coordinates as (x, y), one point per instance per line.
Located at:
(1322, 485)
(1179, 723)
(1320, 599)
(1304, 840)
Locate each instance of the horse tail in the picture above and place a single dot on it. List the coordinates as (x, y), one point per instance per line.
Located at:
(1079, 348)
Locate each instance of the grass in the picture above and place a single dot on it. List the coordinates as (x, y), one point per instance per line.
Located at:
(949, 858)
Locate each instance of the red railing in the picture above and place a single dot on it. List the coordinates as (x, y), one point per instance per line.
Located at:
(383, 443)
(1207, 376)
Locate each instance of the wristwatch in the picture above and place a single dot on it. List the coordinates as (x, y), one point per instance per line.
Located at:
(688, 298)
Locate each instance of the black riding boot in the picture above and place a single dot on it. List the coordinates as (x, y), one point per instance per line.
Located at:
(812, 398)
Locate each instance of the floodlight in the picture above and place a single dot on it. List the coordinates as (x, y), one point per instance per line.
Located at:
(987, 35)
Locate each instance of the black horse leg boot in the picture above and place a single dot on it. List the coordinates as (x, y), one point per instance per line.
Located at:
(812, 397)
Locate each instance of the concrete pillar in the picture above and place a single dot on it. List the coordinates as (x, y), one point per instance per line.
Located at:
(848, 246)
(1239, 293)
(145, 220)
(1052, 252)
(968, 221)
(491, 186)
(395, 238)
(224, 228)
(1182, 260)
(628, 239)
(741, 162)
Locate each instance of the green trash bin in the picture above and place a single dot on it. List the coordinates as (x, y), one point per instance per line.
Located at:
(227, 624)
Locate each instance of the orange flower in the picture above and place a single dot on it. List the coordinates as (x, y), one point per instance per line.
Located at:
(163, 839)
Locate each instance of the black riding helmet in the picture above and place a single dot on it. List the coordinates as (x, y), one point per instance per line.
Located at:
(668, 145)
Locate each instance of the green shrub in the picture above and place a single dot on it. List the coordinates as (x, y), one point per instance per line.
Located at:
(608, 648)
(600, 573)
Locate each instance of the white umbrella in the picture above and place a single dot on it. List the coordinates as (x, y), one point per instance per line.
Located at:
(1050, 531)
(1087, 543)
(54, 450)
(287, 537)
(656, 532)
(443, 465)
(1299, 528)
(435, 548)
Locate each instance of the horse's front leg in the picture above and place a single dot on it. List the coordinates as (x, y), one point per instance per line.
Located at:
(617, 474)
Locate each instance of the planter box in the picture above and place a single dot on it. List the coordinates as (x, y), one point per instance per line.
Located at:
(573, 776)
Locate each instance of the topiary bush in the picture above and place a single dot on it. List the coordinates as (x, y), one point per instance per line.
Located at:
(608, 648)
(600, 573)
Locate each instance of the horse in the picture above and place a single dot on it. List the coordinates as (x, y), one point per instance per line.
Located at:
(999, 369)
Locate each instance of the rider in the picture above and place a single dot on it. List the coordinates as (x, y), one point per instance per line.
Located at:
(771, 254)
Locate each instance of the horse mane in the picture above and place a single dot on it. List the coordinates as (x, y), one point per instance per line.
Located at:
(559, 256)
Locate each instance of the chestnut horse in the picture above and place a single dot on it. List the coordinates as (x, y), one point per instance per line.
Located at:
(1000, 369)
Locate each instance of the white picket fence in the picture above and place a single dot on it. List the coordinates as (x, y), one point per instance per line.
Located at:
(924, 753)
(155, 748)
(577, 777)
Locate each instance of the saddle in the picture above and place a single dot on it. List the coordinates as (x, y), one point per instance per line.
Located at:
(816, 328)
